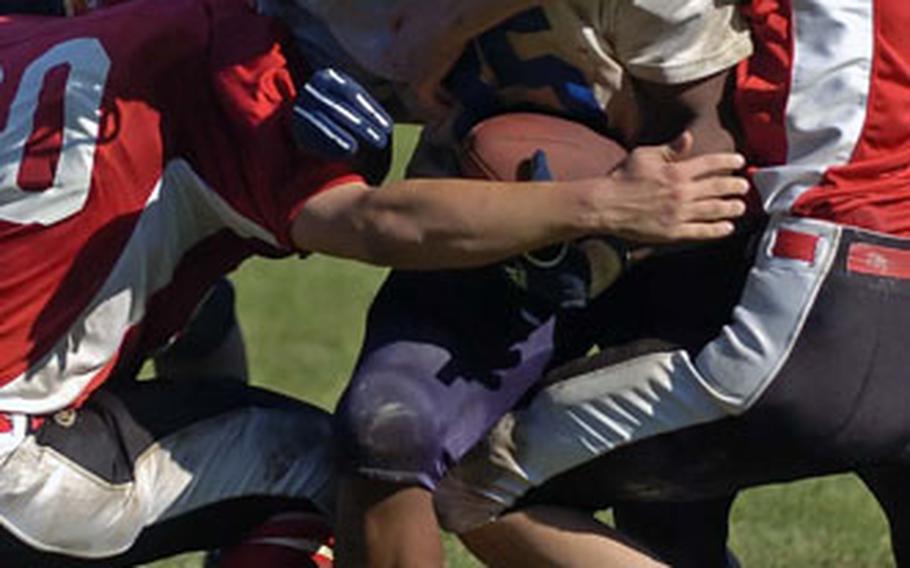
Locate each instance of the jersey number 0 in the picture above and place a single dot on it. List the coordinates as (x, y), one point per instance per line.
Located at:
(88, 65)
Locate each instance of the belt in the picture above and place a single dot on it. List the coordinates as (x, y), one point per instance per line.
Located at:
(887, 256)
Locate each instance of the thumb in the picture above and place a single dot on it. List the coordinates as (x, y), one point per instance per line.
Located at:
(681, 147)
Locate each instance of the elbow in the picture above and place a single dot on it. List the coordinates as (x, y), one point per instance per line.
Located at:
(394, 229)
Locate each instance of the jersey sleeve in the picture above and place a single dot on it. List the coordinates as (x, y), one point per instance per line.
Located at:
(677, 41)
(253, 78)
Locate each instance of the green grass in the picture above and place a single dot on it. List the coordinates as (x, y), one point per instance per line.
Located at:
(304, 322)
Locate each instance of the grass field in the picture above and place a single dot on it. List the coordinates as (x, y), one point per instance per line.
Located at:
(303, 323)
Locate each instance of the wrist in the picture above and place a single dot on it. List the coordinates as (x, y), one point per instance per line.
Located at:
(594, 206)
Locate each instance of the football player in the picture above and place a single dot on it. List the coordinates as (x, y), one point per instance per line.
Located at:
(446, 353)
(148, 149)
(805, 374)
(212, 345)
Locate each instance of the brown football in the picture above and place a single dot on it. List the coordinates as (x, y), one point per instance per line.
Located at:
(500, 148)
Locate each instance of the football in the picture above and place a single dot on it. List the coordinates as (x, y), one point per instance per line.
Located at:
(500, 148)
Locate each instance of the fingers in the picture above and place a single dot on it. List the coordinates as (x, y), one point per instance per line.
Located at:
(679, 198)
(720, 186)
(342, 99)
(314, 132)
(672, 165)
(364, 105)
(712, 200)
(697, 211)
(708, 165)
(704, 231)
(714, 210)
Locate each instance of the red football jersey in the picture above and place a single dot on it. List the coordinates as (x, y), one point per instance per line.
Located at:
(144, 151)
(823, 106)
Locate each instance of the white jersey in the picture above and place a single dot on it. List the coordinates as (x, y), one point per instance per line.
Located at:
(570, 56)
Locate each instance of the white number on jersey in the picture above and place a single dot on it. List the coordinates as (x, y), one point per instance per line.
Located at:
(88, 69)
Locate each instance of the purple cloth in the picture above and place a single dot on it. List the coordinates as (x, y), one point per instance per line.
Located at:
(445, 356)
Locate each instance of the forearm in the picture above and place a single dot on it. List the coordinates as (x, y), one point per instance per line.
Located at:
(434, 224)
(712, 125)
(701, 107)
(656, 196)
(712, 135)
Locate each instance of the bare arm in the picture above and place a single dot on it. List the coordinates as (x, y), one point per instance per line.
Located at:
(699, 106)
(703, 107)
(549, 536)
(430, 224)
(658, 196)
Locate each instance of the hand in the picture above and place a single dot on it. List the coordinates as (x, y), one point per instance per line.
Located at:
(334, 115)
(660, 194)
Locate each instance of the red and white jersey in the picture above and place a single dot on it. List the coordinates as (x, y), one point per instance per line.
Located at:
(144, 151)
(823, 106)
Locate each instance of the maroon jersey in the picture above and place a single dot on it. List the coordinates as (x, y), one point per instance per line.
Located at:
(144, 151)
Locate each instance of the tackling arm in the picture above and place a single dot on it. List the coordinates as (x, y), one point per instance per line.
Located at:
(659, 195)
(429, 224)
(678, 56)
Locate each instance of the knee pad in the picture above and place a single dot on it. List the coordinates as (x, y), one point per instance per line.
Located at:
(391, 433)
